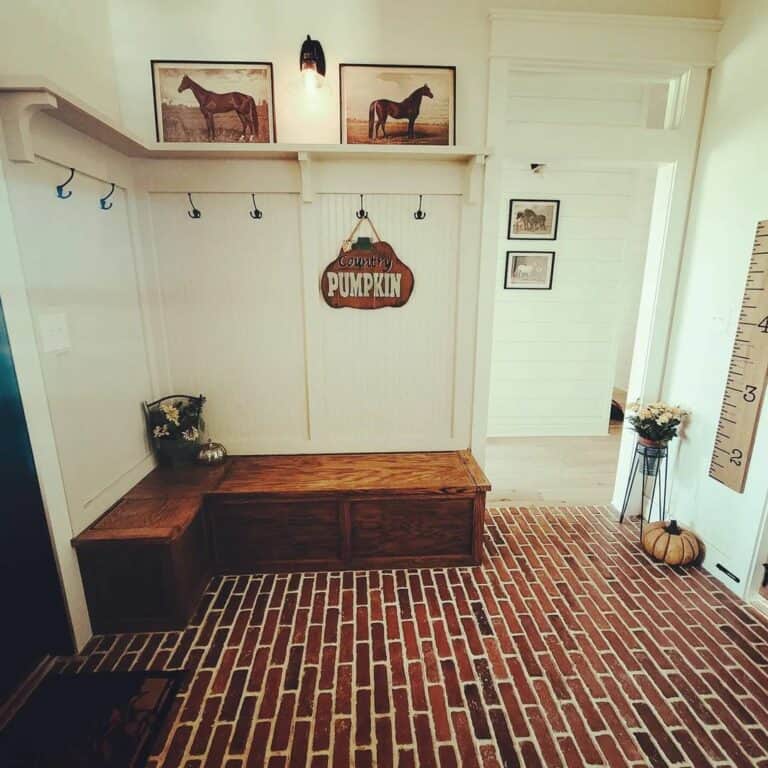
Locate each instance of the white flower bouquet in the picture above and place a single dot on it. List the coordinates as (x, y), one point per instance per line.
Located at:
(175, 425)
(655, 422)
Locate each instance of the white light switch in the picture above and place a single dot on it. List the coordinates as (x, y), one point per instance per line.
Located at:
(54, 332)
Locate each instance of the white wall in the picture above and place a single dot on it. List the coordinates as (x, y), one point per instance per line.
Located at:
(66, 41)
(555, 352)
(283, 371)
(730, 197)
(82, 405)
(397, 31)
(80, 264)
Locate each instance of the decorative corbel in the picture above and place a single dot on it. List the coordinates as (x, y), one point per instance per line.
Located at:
(305, 169)
(16, 112)
(473, 178)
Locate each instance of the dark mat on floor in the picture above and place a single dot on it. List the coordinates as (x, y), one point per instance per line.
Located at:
(97, 720)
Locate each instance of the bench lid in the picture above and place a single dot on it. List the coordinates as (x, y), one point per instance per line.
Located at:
(160, 519)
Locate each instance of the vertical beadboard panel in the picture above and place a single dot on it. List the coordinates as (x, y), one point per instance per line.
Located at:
(232, 300)
(388, 375)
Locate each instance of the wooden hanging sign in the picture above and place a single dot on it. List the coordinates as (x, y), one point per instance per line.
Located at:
(745, 385)
(366, 274)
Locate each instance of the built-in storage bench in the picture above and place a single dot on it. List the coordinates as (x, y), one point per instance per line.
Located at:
(374, 510)
(145, 562)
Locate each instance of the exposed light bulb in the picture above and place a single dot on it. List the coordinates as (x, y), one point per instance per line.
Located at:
(312, 80)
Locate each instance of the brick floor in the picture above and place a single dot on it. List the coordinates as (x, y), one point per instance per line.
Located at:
(567, 647)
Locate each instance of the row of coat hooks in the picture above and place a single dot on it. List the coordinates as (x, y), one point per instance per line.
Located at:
(196, 213)
(418, 214)
(63, 193)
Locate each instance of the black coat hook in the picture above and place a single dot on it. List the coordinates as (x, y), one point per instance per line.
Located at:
(60, 187)
(419, 215)
(103, 204)
(194, 213)
(255, 213)
(362, 213)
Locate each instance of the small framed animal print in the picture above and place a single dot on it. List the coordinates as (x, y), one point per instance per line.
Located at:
(532, 270)
(221, 101)
(533, 219)
(397, 104)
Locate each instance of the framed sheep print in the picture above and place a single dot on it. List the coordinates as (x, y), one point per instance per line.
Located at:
(222, 101)
(533, 219)
(396, 104)
(531, 270)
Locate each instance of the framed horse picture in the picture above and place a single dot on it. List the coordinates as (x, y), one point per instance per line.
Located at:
(221, 101)
(397, 104)
(529, 270)
(533, 219)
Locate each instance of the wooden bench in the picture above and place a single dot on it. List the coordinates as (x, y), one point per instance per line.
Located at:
(145, 562)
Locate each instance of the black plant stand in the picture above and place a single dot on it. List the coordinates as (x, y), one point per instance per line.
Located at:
(651, 461)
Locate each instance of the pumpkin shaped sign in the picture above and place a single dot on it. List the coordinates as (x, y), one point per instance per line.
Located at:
(667, 542)
(366, 275)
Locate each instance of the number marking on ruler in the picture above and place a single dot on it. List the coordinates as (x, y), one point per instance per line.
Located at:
(745, 385)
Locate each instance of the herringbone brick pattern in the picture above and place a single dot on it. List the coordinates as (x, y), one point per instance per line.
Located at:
(567, 647)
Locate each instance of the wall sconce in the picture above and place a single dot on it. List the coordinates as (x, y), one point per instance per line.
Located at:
(312, 63)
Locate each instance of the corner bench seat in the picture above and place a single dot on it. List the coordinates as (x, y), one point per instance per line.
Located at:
(146, 560)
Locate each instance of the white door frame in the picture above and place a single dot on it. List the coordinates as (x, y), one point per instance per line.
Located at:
(570, 44)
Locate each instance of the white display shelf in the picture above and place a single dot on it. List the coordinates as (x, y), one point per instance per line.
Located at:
(21, 98)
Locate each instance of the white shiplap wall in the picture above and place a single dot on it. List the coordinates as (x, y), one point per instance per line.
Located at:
(557, 355)
(555, 352)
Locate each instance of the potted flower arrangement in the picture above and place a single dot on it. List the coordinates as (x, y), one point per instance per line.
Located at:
(175, 425)
(656, 424)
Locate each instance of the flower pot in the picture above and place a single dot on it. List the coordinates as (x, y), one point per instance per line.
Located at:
(176, 453)
(650, 452)
(175, 424)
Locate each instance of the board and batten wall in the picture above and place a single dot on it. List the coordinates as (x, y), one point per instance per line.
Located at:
(558, 354)
(81, 270)
(284, 372)
(69, 264)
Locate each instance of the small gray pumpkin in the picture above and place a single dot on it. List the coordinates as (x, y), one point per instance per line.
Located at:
(211, 453)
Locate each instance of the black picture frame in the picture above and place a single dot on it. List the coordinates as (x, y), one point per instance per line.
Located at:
(450, 68)
(181, 62)
(519, 236)
(519, 287)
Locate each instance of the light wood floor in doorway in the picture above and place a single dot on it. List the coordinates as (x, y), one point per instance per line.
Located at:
(553, 470)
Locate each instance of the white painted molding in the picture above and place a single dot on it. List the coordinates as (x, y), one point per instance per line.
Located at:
(16, 111)
(474, 177)
(632, 42)
(606, 19)
(84, 118)
(305, 167)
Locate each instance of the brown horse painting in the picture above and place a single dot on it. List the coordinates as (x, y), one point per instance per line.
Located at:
(213, 103)
(407, 109)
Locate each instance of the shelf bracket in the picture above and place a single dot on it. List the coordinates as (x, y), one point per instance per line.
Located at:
(16, 112)
(473, 179)
(305, 168)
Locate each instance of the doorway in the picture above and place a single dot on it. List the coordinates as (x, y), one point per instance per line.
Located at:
(561, 356)
(37, 624)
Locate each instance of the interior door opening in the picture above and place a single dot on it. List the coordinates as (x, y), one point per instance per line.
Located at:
(562, 356)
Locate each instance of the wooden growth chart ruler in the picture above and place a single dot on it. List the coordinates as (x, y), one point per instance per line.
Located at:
(745, 385)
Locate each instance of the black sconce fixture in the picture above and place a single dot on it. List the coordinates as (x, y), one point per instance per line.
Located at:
(312, 63)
